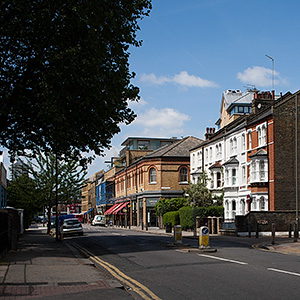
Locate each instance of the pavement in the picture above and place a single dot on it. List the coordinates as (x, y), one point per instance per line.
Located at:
(43, 268)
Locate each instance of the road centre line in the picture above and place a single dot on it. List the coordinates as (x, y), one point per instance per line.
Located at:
(130, 282)
(224, 259)
(285, 272)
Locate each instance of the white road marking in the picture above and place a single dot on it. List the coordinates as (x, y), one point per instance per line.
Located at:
(285, 272)
(224, 259)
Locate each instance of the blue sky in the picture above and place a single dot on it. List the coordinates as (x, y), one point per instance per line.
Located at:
(193, 50)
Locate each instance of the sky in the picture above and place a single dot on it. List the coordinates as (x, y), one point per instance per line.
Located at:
(193, 50)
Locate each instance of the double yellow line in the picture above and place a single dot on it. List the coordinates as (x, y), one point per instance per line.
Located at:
(136, 286)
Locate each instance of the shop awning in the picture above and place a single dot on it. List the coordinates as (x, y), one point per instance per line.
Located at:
(117, 210)
(110, 210)
(86, 212)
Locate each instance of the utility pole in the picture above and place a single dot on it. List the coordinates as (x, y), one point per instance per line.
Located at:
(296, 168)
(272, 59)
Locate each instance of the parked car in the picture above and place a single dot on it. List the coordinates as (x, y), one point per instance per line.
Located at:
(99, 220)
(71, 227)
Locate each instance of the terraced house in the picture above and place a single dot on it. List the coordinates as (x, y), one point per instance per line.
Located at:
(239, 157)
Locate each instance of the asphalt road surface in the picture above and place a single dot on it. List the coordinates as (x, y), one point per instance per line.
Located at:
(236, 271)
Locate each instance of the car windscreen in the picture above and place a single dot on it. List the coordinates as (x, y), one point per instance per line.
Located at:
(71, 222)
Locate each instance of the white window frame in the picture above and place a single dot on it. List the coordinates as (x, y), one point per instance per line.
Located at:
(152, 176)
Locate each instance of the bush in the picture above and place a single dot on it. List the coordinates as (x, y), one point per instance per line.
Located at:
(172, 217)
(186, 215)
(166, 205)
(214, 211)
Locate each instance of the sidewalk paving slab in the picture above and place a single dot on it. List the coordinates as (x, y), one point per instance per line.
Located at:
(42, 268)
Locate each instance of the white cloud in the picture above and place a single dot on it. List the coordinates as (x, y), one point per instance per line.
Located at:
(260, 76)
(183, 78)
(161, 122)
(137, 104)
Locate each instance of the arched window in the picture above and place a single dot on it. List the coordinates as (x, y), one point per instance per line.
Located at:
(219, 180)
(235, 144)
(233, 206)
(183, 174)
(231, 146)
(262, 170)
(249, 140)
(243, 206)
(263, 135)
(227, 177)
(152, 175)
(227, 209)
(259, 136)
(262, 203)
(243, 142)
(233, 177)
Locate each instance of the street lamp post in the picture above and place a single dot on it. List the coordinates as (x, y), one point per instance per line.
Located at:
(296, 167)
(272, 59)
(195, 218)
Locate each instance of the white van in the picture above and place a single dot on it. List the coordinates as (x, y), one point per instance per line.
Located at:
(99, 220)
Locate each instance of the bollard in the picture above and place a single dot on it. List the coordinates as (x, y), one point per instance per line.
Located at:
(273, 233)
(204, 237)
(290, 230)
(257, 230)
(177, 234)
(295, 232)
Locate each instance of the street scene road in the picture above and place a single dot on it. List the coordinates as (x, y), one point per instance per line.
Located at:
(237, 270)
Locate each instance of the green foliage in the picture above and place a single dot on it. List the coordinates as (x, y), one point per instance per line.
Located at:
(43, 168)
(23, 193)
(165, 205)
(199, 193)
(218, 200)
(186, 216)
(172, 217)
(214, 211)
(64, 74)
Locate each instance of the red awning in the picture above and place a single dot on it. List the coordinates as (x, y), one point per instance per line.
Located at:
(110, 210)
(120, 207)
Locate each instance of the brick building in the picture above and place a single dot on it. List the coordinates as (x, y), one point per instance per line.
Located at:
(162, 173)
(286, 152)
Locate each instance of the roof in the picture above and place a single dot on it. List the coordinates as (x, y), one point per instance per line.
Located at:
(231, 161)
(129, 139)
(216, 165)
(180, 148)
(260, 152)
(245, 98)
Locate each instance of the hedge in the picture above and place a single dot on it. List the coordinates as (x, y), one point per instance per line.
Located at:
(172, 217)
(186, 214)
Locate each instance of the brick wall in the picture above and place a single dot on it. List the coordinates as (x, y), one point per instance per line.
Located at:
(284, 132)
(281, 219)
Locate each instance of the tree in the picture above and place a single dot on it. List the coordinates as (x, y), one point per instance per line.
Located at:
(65, 79)
(23, 193)
(198, 193)
(51, 175)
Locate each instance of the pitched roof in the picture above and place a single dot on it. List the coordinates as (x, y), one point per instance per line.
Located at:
(216, 165)
(177, 149)
(260, 152)
(231, 161)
